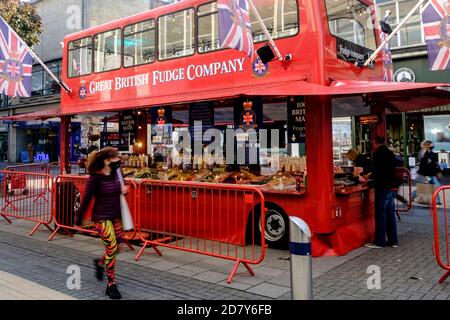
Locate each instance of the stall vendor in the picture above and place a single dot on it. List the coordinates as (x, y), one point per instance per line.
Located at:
(360, 161)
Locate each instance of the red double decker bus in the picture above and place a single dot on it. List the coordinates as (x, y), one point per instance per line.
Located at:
(170, 58)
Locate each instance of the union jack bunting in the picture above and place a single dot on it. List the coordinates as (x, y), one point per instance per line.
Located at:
(16, 63)
(388, 65)
(235, 30)
(436, 24)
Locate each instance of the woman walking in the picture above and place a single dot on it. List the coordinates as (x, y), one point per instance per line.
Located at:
(105, 188)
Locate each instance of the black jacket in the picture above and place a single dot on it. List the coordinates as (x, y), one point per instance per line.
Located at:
(362, 162)
(429, 166)
(384, 169)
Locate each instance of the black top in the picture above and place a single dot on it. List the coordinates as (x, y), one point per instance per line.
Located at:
(384, 172)
(429, 166)
(106, 191)
(362, 162)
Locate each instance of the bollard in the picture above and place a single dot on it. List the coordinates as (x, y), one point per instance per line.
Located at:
(301, 260)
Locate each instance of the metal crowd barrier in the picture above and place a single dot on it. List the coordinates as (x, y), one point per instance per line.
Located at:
(40, 168)
(68, 193)
(404, 199)
(223, 221)
(26, 196)
(53, 169)
(441, 227)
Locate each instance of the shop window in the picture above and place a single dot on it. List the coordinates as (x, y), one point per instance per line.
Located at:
(139, 43)
(176, 35)
(352, 21)
(280, 17)
(42, 83)
(411, 34)
(107, 51)
(80, 57)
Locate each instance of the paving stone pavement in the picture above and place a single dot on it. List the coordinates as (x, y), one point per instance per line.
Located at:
(47, 266)
(408, 272)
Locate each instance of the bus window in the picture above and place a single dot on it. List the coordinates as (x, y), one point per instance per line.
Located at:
(208, 28)
(352, 21)
(107, 51)
(139, 43)
(176, 35)
(280, 17)
(80, 57)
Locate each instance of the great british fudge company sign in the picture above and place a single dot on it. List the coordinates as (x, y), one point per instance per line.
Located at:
(160, 77)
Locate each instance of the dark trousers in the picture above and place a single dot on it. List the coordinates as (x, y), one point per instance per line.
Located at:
(385, 219)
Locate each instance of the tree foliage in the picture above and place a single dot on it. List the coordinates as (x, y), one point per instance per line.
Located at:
(23, 18)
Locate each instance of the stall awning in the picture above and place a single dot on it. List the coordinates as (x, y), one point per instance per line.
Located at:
(38, 115)
(399, 96)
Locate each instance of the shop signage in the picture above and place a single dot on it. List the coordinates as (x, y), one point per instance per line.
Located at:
(351, 52)
(369, 119)
(190, 73)
(127, 129)
(404, 75)
(296, 120)
(112, 139)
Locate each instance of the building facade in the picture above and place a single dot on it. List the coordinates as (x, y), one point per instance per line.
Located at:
(410, 55)
(60, 18)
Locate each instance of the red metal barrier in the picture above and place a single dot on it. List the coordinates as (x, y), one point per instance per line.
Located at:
(39, 168)
(403, 202)
(26, 196)
(68, 193)
(441, 231)
(223, 221)
(53, 169)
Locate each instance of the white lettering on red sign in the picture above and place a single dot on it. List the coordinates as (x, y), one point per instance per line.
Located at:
(191, 73)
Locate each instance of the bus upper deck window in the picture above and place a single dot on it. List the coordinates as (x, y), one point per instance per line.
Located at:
(108, 51)
(176, 34)
(280, 16)
(80, 57)
(351, 20)
(139, 43)
(208, 27)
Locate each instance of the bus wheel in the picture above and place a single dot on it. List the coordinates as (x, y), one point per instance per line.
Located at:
(276, 228)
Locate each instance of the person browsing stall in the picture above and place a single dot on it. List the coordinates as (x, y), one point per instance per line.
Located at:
(360, 161)
(386, 183)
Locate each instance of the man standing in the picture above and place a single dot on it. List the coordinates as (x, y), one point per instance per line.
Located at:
(384, 175)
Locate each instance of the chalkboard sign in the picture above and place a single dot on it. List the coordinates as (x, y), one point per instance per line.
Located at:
(127, 129)
(296, 120)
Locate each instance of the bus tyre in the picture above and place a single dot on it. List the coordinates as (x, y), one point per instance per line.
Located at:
(276, 225)
(276, 228)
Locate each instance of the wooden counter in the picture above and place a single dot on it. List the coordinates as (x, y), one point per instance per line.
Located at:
(349, 190)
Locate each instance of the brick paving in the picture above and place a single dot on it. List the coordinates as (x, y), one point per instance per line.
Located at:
(408, 272)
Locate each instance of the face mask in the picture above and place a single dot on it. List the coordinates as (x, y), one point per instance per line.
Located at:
(115, 165)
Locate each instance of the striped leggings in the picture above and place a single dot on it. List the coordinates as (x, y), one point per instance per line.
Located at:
(111, 233)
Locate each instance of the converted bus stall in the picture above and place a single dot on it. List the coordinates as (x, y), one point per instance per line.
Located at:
(163, 70)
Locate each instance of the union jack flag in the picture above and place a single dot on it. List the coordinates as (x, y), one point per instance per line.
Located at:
(388, 65)
(235, 30)
(16, 63)
(436, 24)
